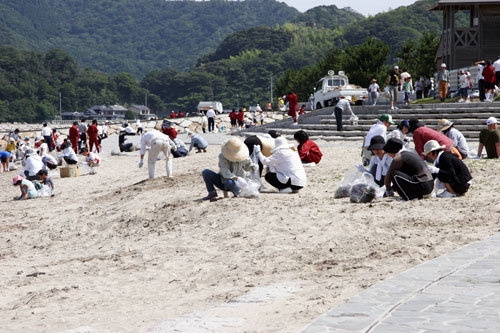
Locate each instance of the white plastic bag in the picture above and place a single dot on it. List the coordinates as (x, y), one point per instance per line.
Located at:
(354, 176)
(249, 188)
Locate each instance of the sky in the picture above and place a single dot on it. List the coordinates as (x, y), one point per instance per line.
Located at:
(365, 7)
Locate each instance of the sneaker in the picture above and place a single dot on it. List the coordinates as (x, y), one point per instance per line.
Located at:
(295, 124)
(392, 107)
(446, 194)
(396, 108)
(286, 190)
(467, 101)
(212, 196)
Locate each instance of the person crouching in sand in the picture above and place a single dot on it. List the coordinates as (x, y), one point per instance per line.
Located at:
(286, 172)
(308, 150)
(234, 160)
(28, 190)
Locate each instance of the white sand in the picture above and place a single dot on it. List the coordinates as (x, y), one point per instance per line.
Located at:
(119, 253)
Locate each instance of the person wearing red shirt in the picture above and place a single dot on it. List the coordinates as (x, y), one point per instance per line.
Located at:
(241, 118)
(55, 136)
(292, 106)
(308, 150)
(181, 114)
(302, 109)
(173, 115)
(269, 107)
(92, 133)
(423, 134)
(489, 81)
(167, 129)
(74, 135)
(233, 116)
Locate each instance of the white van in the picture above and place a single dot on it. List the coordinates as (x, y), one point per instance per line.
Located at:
(205, 106)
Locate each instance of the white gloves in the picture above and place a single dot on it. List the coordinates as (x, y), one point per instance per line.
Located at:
(256, 149)
(141, 163)
(254, 167)
(361, 168)
(433, 169)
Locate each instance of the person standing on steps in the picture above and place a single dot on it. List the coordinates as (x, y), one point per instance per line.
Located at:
(489, 81)
(291, 97)
(443, 78)
(374, 90)
(343, 104)
(393, 82)
(211, 120)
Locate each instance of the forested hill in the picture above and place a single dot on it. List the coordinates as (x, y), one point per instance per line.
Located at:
(329, 17)
(134, 36)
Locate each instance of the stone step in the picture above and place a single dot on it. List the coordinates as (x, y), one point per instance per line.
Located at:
(481, 117)
(431, 122)
(347, 127)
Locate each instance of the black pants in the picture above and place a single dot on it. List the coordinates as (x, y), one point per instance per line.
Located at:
(273, 180)
(211, 124)
(48, 140)
(126, 147)
(338, 117)
(419, 94)
(408, 187)
(31, 178)
(482, 95)
(69, 160)
(82, 142)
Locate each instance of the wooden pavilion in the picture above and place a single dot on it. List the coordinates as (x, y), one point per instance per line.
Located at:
(471, 32)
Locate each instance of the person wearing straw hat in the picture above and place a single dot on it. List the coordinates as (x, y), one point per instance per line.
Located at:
(308, 150)
(266, 145)
(374, 90)
(198, 142)
(159, 143)
(446, 127)
(286, 172)
(28, 190)
(379, 128)
(408, 174)
(234, 160)
(452, 173)
(490, 139)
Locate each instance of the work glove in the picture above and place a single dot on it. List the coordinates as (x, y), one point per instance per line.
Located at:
(361, 168)
(256, 149)
(433, 169)
(141, 163)
(254, 167)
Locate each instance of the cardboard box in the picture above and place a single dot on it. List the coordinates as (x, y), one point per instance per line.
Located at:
(69, 171)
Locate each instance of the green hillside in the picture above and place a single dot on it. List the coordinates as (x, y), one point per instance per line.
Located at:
(329, 17)
(134, 36)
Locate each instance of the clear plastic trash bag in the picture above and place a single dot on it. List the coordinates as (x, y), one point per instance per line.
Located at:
(357, 175)
(362, 193)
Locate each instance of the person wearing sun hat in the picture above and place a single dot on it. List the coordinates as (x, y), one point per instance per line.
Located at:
(408, 173)
(234, 160)
(380, 161)
(286, 172)
(266, 145)
(379, 128)
(28, 190)
(446, 127)
(452, 173)
(490, 139)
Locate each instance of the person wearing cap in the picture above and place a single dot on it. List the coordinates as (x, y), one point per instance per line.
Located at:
(47, 135)
(380, 161)
(489, 81)
(74, 135)
(408, 174)
(138, 126)
(266, 145)
(234, 160)
(448, 168)
(308, 150)
(159, 143)
(211, 120)
(379, 128)
(443, 77)
(400, 133)
(490, 139)
(167, 129)
(446, 127)
(5, 159)
(463, 87)
(393, 82)
(198, 142)
(11, 146)
(286, 171)
(374, 90)
(68, 153)
(82, 130)
(291, 97)
(343, 104)
(422, 134)
(28, 190)
(32, 164)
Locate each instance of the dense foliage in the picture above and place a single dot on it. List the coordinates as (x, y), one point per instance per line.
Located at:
(130, 35)
(30, 84)
(329, 17)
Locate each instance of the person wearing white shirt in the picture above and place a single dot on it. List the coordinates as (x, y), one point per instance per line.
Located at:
(159, 143)
(342, 105)
(496, 66)
(286, 171)
(459, 141)
(211, 119)
(139, 127)
(374, 90)
(43, 149)
(47, 135)
(68, 154)
(380, 128)
(32, 165)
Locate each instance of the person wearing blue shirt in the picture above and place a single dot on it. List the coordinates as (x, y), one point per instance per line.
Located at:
(198, 142)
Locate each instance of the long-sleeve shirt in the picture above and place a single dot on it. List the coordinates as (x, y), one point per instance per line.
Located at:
(171, 132)
(229, 169)
(458, 140)
(287, 165)
(489, 74)
(344, 104)
(70, 153)
(378, 129)
(443, 75)
(199, 141)
(309, 152)
(33, 164)
(423, 134)
(408, 163)
(73, 133)
(148, 138)
(452, 169)
(92, 131)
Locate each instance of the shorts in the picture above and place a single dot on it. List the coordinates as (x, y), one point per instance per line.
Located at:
(488, 85)
(3, 159)
(241, 123)
(233, 122)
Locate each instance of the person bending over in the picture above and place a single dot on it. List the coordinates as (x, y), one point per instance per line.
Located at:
(28, 190)
(308, 150)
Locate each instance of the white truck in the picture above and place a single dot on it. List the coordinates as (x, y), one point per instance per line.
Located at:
(205, 106)
(329, 89)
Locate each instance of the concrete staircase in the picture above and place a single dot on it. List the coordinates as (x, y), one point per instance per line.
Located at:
(469, 118)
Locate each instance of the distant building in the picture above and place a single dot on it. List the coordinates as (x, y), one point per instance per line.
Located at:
(475, 39)
(103, 112)
(142, 111)
(71, 115)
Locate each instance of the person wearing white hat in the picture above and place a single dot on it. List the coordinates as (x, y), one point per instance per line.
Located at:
(446, 127)
(379, 128)
(234, 160)
(33, 164)
(448, 168)
(198, 142)
(393, 82)
(343, 104)
(286, 171)
(68, 153)
(159, 143)
(443, 78)
(490, 139)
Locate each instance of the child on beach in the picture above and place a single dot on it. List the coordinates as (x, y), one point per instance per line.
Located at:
(28, 190)
(407, 89)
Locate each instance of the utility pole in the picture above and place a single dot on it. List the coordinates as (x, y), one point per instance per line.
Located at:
(60, 105)
(271, 90)
(146, 99)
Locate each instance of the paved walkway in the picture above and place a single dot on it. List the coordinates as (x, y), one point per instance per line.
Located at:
(457, 292)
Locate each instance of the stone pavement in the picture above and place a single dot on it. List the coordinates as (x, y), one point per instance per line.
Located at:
(457, 292)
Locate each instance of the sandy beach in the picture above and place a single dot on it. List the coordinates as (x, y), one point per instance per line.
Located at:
(115, 252)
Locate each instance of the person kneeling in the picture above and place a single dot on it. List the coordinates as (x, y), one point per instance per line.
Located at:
(380, 162)
(234, 160)
(408, 174)
(286, 171)
(28, 190)
(198, 142)
(449, 169)
(308, 150)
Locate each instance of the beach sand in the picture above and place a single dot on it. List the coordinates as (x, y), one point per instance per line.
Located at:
(114, 252)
